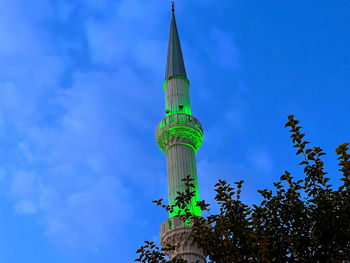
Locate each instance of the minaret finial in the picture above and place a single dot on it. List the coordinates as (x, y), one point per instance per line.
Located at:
(175, 64)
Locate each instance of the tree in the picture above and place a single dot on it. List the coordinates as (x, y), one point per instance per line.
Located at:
(298, 221)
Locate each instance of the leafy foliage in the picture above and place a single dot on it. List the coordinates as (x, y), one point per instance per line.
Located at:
(299, 221)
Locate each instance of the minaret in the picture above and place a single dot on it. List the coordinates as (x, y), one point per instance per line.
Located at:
(179, 135)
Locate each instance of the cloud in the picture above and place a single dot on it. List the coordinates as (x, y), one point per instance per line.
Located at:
(72, 161)
(224, 130)
(210, 171)
(119, 40)
(23, 183)
(253, 168)
(105, 45)
(78, 107)
(222, 50)
(2, 175)
(72, 133)
(92, 215)
(25, 207)
(19, 30)
(261, 160)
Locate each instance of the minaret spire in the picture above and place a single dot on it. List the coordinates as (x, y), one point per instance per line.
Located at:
(175, 63)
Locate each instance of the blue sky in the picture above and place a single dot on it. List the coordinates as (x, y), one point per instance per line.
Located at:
(81, 94)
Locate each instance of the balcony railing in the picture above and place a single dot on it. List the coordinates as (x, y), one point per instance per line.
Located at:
(179, 118)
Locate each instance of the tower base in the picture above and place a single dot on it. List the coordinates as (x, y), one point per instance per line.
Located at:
(176, 233)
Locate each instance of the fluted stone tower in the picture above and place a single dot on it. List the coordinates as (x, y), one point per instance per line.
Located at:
(179, 135)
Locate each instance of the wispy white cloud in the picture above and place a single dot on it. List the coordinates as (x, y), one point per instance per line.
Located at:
(92, 216)
(25, 207)
(261, 160)
(72, 145)
(223, 51)
(77, 129)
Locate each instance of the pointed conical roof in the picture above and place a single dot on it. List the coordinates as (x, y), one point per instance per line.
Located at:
(175, 63)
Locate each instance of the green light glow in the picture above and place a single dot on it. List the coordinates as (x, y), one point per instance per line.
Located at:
(192, 206)
(180, 186)
(179, 127)
(185, 128)
(188, 135)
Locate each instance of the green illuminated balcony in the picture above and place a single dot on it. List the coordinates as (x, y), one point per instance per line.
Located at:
(179, 128)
